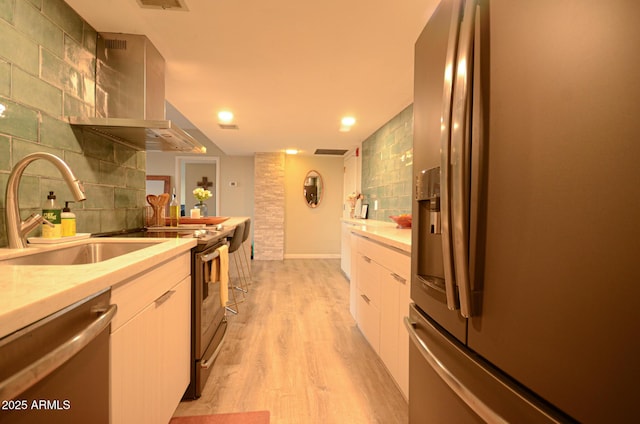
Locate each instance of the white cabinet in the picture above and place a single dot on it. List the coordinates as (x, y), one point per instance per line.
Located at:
(368, 300)
(394, 346)
(403, 336)
(389, 322)
(381, 276)
(345, 248)
(150, 343)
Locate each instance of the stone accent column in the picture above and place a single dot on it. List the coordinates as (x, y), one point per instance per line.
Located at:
(268, 230)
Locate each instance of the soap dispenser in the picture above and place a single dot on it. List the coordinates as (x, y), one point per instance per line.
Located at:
(68, 221)
(52, 227)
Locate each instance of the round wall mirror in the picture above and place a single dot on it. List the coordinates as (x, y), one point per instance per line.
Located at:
(312, 189)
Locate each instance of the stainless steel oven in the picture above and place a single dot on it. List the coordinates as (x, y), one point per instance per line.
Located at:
(208, 318)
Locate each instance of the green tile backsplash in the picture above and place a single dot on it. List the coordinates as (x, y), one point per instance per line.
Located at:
(5, 79)
(38, 27)
(31, 91)
(47, 72)
(387, 162)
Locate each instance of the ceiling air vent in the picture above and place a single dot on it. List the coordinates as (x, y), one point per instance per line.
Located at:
(163, 4)
(228, 126)
(334, 152)
(115, 44)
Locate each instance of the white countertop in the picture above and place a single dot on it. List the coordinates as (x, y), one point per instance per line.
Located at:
(384, 232)
(31, 292)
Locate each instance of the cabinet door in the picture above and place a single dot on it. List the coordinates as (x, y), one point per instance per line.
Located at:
(389, 313)
(403, 336)
(394, 306)
(345, 249)
(173, 328)
(369, 320)
(369, 273)
(133, 350)
(150, 359)
(353, 283)
(368, 299)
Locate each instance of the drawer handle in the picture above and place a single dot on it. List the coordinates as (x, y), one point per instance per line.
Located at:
(367, 259)
(164, 297)
(366, 299)
(399, 278)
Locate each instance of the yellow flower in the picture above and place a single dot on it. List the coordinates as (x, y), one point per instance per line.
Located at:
(201, 194)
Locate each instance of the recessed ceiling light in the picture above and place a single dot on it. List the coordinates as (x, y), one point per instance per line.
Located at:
(291, 151)
(346, 123)
(225, 116)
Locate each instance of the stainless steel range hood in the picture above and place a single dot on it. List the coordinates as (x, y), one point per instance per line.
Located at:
(130, 105)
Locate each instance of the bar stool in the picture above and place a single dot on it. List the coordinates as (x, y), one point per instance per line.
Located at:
(245, 237)
(234, 245)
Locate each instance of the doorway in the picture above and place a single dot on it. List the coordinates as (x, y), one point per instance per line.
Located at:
(192, 172)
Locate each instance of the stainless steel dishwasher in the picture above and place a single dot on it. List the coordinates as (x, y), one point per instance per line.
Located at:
(56, 370)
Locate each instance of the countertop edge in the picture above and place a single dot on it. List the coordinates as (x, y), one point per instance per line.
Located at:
(36, 291)
(383, 232)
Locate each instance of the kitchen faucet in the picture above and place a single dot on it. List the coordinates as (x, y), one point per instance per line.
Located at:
(17, 229)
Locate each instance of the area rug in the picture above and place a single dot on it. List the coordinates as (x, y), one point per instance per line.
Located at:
(255, 417)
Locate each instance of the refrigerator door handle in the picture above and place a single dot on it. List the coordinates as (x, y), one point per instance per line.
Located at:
(460, 157)
(462, 391)
(445, 140)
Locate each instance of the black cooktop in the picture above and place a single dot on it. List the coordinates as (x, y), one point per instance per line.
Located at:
(204, 236)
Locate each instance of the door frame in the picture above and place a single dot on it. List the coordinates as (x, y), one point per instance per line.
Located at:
(181, 162)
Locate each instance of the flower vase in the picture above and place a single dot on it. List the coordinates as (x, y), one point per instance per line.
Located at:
(204, 210)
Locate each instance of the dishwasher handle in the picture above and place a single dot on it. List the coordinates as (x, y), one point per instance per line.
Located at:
(38, 370)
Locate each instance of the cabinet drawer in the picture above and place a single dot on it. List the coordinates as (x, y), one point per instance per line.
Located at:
(368, 321)
(133, 295)
(391, 258)
(400, 265)
(369, 278)
(372, 249)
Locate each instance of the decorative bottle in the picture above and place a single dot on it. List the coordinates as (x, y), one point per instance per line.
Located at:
(174, 210)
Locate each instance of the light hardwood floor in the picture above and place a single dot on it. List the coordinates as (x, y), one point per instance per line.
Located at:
(295, 350)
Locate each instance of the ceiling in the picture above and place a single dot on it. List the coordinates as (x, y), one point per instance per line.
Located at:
(289, 70)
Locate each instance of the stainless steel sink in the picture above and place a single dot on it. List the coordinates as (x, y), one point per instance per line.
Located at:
(87, 253)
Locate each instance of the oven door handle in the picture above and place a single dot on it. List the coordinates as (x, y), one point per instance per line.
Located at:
(38, 370)
(209, 361)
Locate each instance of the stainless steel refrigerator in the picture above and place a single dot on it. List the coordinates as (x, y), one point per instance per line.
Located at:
(526, 235)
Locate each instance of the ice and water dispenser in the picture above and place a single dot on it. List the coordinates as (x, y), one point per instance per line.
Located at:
(430, 268)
